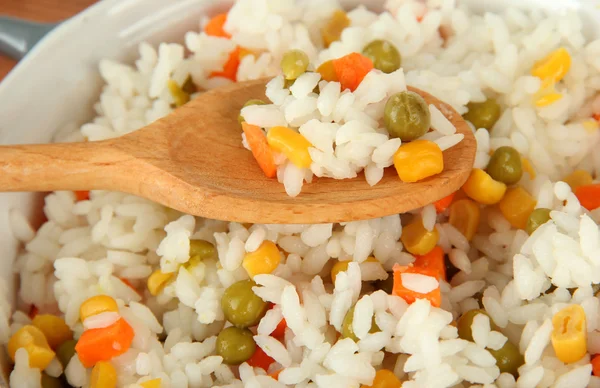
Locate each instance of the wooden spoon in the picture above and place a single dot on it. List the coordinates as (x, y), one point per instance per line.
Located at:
(193, 161)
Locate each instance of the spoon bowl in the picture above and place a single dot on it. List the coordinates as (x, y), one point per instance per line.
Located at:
(193, 161)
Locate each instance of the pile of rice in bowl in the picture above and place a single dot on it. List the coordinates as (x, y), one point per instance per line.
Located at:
(493, 286)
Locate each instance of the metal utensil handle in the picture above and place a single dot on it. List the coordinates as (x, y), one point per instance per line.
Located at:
(18, 36)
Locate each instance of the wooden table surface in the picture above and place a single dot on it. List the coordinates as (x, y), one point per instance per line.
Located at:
(40, 11)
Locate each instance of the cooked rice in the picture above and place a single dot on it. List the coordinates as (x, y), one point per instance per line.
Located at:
(87, 247)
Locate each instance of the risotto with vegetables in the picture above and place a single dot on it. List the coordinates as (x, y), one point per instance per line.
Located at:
(493, 286)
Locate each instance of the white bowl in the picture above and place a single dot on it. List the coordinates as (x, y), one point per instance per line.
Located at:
(57, 82)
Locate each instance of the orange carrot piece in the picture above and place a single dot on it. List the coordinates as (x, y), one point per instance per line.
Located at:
(214, 27)
(82, 195)
(128, 283)
(279, 331)
(596, 116)
(260, 359)
(410, 296)
(596, 365)
(33, 311)
(257, 141)
(275, 375)
(352, 69)
(105, 343)
(589, 196)
(231, 66)
(444, 203)
(433, 260)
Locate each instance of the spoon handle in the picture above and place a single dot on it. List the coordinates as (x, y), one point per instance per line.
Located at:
(63, 166)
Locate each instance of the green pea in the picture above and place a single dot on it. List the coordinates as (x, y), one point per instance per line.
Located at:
(241, 306)
(466, 320)
(50, 382)
(235, 345)
(65, 352)
(254, 101)
(385, 55)
(294, 63)
(179, 95)
(386, 285)
(483, 114)
(508, 358)
(348, 332)
(505, 165)
(406, 115)
(202, 249)
(537, 218)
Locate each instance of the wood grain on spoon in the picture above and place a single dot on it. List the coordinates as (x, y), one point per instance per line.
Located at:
(193, 161)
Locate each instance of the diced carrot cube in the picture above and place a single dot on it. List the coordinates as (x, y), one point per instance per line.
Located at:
(103, 344)
(589, 196)
(257, 141)
(231, 66)
(352, 69)
(260, 359)
(275, 375)
(82, 195)
(444, 203)
(33, 311)
(410, 296)
(433, 260)
(279, 331)
(214, 27)
(596, 365)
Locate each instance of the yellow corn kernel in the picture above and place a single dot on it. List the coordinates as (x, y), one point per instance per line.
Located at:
(569, 334)
(554, 67)
(578, 178)
(54, 328)
(384, 378)
(590, 126)
(342, 266)
(96, 305)
(292, 144)
(264, 260)
(103, 375)
(464, 216)
(327, 71)
(418, 240)
(192, 262)
(516, 206)
(154, 383)
(332, 31)
(483, 189)
(547, 88)
(179, 96)
(338, 267)
(528, 168)
(158, 280)
(34, 342)
(418, 160)
(548, 99)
